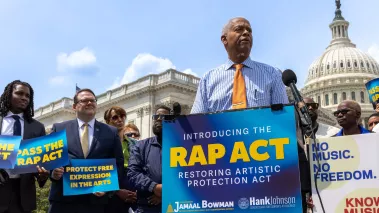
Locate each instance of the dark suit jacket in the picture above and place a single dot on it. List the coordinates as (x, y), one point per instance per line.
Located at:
(32, 129)
(105, 144)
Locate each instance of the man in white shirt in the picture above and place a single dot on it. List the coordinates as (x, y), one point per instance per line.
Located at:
(18, 192)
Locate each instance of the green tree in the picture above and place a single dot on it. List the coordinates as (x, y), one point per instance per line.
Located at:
(42, 198)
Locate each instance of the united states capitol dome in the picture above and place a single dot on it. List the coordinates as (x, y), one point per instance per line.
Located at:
(341, 72)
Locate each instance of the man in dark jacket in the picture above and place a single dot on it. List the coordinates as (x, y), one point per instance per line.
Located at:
(145, 167)
(18, 193)
(86, 139)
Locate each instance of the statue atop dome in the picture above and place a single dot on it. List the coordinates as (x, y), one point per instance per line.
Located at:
(338, 4)
(338, 12)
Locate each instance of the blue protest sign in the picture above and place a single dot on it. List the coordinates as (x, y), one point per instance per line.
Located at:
(8, 150)
(48, 151)
(237, 161)
(373, 90)
(86, 176)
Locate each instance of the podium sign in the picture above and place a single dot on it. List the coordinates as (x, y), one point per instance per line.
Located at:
(348, 173)
(236, 161)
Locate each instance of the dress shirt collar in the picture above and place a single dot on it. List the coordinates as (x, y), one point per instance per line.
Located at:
(91, 123)
(9, 115)
(248, 63)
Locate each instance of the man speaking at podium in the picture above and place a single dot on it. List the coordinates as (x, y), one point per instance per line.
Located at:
(240, 82)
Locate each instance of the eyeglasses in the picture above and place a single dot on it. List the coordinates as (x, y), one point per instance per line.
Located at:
(132, 134)
(84, 102)
(313, 105)
(342, 111)
(116, 117)
(163, 117)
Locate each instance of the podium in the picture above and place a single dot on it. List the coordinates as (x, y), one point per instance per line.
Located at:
(232, 161)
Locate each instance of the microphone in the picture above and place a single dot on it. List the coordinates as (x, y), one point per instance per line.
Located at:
(176, 109)
(289, 79)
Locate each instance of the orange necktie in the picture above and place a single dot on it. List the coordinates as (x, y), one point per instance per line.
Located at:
(239, 89)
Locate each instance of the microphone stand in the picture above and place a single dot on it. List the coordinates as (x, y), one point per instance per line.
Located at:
(309, 140)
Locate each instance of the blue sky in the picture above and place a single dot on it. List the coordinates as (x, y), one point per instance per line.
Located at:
(102, 44)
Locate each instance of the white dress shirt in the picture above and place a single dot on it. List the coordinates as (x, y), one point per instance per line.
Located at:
(376, 128)
(7, 129)
(91, 126)
(8, 123)
(326, 131)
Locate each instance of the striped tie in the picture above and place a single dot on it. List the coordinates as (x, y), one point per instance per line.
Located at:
(239, 89)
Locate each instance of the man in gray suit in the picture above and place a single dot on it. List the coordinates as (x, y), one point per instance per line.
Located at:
(18, 192)
(86, 139)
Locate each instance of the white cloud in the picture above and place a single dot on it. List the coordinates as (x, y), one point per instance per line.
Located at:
(190, 72)
(374, 52)
(81, 61)
(59, 80)
(144, 64)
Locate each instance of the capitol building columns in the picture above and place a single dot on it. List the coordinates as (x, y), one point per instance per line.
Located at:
(139, 99)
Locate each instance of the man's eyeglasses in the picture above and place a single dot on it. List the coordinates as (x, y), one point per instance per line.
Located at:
(163, 117)
(116, 117)
(132, 134)
(84, 102)
(342, 111)
(313, 105)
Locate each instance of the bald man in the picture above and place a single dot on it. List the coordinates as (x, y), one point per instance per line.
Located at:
(348, 114)
(240, 82)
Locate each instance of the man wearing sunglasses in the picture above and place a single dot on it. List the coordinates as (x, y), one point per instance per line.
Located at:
(320, 130)
(145, 166)
(348, 115)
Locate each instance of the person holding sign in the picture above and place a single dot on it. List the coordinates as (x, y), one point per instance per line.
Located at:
(348, 114)
(86, 139)
(240, 82)
(18, 194)
(126, 197)
(145, 166)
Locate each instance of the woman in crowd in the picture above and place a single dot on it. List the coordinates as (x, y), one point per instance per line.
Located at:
(132, 131)
(126, 197)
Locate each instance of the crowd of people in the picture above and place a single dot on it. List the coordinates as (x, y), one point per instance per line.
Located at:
(237, 84)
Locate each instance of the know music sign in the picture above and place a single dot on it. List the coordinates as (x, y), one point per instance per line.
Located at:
(347, 173)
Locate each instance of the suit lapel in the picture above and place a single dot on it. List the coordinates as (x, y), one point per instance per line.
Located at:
(96, 134)
(27, 130)
(76, 145)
